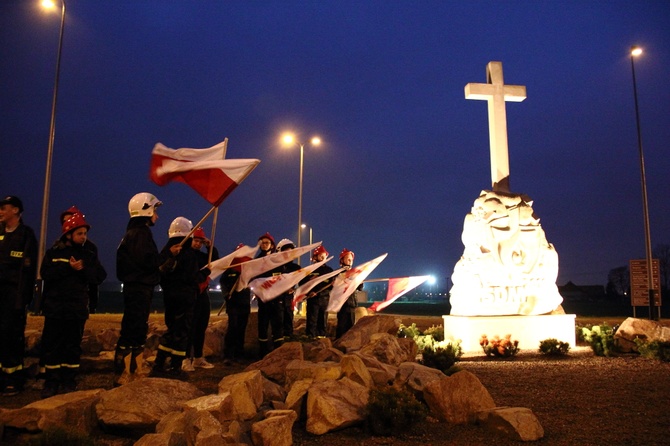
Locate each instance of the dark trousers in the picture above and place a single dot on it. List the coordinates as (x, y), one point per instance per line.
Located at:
(12, 339)
(61, 346)
(201, 313)
(287, 301)
(238, 317)
(316, 316)
(178, 318)
(271, 315)
(346, 318)
(136, 308)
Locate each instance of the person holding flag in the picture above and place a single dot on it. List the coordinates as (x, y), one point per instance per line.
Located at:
(286, 298)
(317, 301)
(270, 314)
(202, 308)
(346, 317)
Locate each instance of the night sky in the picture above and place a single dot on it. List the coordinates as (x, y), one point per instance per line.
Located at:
(404, 154)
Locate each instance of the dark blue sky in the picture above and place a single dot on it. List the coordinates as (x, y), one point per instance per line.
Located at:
(381, 82)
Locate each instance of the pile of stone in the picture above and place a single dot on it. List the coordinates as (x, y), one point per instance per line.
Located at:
(322, 384)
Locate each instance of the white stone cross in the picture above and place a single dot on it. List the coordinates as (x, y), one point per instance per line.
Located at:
(496, 93)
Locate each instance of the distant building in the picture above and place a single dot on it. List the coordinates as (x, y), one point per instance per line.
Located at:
(573, 293)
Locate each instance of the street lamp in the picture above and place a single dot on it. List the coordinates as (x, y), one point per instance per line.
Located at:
(634, 52)
(288, 139)
(303, 226)
(49, 4)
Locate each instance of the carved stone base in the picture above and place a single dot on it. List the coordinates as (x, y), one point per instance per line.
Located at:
(528, 330)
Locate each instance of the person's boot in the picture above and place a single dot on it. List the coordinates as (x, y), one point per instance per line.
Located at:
(159, 370)
(51, 383)
(263, 348)
(126, 375)
(68, 383)
(175, 371)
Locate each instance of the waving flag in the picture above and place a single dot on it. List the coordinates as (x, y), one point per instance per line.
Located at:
(204, 170)
(347, 282)
(302, 291)
(242, 254)
(397, 287)
(261, 265)
(267, 288)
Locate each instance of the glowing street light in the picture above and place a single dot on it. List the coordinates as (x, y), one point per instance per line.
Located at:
(288, 140)
(50, 4)
(303, 226)
(634, 52)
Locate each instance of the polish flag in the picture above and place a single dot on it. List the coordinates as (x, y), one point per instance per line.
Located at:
(261, 265)
(204, 170)
(347, 282)
(397, 287)
(240, 255)
(303, 290)
(267, 288)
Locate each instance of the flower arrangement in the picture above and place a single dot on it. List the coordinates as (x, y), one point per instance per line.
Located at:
(499, 347)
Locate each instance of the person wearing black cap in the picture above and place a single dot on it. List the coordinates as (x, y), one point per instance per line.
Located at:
(18, 269)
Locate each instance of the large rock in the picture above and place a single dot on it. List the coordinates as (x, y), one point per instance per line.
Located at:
(297, 370)
(75, 410)
(643, 329)
(360, 334)
(457, 398)
(221, 406)
(311, 350)
(517, 423)
(140, 405)
(296, 399)
(333, 405)
(386, 348)
(414, 377)
(382, 374)
(191, 427)
(247, 391)
(275, 429)
(275, 362)
(354, 369)
(272, 391)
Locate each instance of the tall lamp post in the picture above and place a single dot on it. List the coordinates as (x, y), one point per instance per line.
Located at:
(288, 139)
(634, 52)
(49, 4)
(303, 226)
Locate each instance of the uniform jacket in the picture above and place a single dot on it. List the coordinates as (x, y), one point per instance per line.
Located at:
(137, 257)
(18, 264)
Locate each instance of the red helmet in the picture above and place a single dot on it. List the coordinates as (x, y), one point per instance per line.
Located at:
(70, 211)
(74, 222)
(199, 233)
(269, 237)
(344, 252)
(318, 250)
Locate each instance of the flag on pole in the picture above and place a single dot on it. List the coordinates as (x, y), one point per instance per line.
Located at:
(267, 288)
(398, 286)
(261, 265)
(204, 170)
(240, 255)
(304, 289)
(347, 282)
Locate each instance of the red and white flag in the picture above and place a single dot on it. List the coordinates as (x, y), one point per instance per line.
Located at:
(204, 170)
(267, 288)
(261, 265)
(240, 255)
(303, 290)
(398, 286)
(347, 282)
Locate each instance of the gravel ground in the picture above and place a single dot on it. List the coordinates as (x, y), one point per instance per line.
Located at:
(579, 400)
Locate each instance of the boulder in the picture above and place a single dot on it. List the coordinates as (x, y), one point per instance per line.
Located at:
(127, 407)
(313, 349)
(457, 398)
(414, 377)
(360, 334)
(386, 348)
(275, 429)
(246, 389)
(381, 373)
(296, 399)
(191, 427)
(330, 354)
(164, 439)
(354, 369)
(333, 405)
(108, 338)
(517, 423)
(214, 335)
(297, 370)
(644, 329)
(75, 410)
(275, 362)
(272, 391)
(221, 406)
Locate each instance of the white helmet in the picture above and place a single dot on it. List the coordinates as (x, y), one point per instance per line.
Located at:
(143, 205)
(180, 227)
(283, 242)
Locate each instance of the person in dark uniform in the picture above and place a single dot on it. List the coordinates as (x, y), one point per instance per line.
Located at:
(18, 269)
(202, 308)
(180, 279)
(238, 308)
(93, 288)
(137, 263)
(346, 317)
(270, 314)
(68, 269)
(317, 300)
(286, 298)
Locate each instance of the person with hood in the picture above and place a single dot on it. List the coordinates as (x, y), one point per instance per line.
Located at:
(317, 300)
(346, 317)
(137, 263)
(68, 268)
(18, 270)
(181, 278)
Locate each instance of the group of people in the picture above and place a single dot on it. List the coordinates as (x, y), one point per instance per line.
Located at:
(71, 271)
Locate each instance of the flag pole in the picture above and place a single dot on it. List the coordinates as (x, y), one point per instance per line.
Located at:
(216, 212)
(385, 279)
(202, 220)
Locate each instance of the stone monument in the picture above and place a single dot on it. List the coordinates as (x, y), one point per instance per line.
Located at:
(506, 277)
